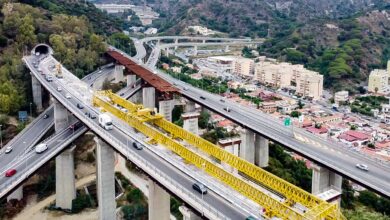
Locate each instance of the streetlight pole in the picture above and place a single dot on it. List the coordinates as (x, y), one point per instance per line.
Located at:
(30, 110)
(1, 137)
(204, 169)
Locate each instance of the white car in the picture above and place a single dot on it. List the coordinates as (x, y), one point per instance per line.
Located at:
(8, 150)
(362, 166)
(40, 148)
(68, 96)
(59, 89)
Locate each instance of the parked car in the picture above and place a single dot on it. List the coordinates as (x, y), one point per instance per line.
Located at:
(8, 150)
(137, 146)
(200, 188)
(10, 172)
(362, 166)
(40, 148)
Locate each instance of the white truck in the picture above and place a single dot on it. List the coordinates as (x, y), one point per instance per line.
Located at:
(105, 121)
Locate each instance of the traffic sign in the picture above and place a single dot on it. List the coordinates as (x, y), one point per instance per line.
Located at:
(287, 122)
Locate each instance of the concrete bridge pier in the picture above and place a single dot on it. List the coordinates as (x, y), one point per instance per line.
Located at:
(230, 145)
(159, 202)
(324, 180)
(190, 122)
(37, 93)
(118, 73)
(226, 48)
(65, 181)
(195, 50)
(149, 97)
(189, 107)
(261, 151)
(176, 42)
(16, 194)
(165, 108)
(247, 146)
(167, 52)
(105, 163)
(131, 80)
(188, 214)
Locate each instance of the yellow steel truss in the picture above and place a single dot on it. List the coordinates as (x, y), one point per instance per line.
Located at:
(317, 208)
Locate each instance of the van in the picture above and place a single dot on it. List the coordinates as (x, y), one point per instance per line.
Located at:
(10, 172)
(40, 148)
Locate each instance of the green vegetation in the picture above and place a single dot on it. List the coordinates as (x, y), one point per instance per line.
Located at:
(81, 202)
(365, 104)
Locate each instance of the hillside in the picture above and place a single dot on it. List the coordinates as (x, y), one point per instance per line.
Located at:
(341, 39)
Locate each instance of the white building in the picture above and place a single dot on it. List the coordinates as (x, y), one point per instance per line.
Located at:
(151, 31)
(201, 30)
(341, 96)
(378, 81)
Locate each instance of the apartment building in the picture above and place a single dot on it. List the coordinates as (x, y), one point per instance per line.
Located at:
(310, 84)
(282, 75)
(378, 81)
(243, 66)
(341, 96)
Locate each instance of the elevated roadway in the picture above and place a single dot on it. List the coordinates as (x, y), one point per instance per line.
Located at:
(157, 167)
(331, 155)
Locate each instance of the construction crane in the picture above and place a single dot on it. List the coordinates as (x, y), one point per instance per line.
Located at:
(163, 132)
(58, 71)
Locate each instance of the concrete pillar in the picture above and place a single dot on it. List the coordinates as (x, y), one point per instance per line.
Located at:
(167, 52)
(226, 48)
(62, 118)
(16, 194)
(65, 182)
(149, 97)
(231, 145)
(195, 50)
(159, 202)
(165, 108)
(204, 41)
(261, 151)
(247, 146)
(158, 42)
(188, 214)
(37, 93)
(176, 42)
(190, 106)
(324, 180)
(105, 163)
(118, 73)
(131, 79)
(190, 122)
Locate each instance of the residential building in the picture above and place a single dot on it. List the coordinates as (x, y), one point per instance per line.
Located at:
(328, 119)
(322, 131)
(200, 30)
(341, 96)
(151, 31)
(176, 69)
(354, 138)
(268, 107)
(243, 66)
(273, 74)
(386, 108)
(310, 85)
(378, 81)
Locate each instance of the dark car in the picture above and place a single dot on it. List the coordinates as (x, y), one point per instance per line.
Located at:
(45, 116)
(202, 97)
(10, 172)
(79, 106)
(200, 188)
(137, 146)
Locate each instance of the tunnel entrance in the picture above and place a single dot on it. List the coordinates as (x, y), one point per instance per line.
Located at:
(42, 49)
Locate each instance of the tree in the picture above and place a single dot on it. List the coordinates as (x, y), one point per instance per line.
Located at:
(26, 35)
(347, 196)
(295, 114)
(203, 119)
(300, 104)
(368, 198)
(134, 196)
(80, 202)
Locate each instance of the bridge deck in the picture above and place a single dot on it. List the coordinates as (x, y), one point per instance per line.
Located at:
(154, 80)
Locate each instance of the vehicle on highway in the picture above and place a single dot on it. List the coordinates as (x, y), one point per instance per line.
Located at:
(10, 172)
(200, 188)
(68, 96)
(37, 54)
(250, 218)
(59, 89)
(40, 148)
(122, 94)
(79, 106)
(175, 84)
(45, 116)
(49, 78)
(137, 146)
(362, 166)
(8, 150)
(105, 121)
(222, 100)
(90, 115)
(226, 109)
(202, 97)
(185, 88)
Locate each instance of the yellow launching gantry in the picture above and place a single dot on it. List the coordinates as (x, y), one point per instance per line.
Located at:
(162, 131)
